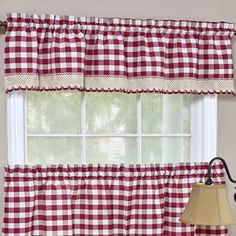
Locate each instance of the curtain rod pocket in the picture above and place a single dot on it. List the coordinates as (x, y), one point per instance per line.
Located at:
(3, 27)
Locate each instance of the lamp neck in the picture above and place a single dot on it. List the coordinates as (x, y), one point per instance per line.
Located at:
(209, 180)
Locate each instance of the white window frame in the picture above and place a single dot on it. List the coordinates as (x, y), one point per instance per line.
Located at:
(203, 127)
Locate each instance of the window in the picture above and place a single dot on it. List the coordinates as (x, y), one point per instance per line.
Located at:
(73, 127)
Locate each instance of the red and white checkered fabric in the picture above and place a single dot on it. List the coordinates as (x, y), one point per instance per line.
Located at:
(114, 200)
(51, 52)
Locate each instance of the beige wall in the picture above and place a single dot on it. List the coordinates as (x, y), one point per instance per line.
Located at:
(210, 10)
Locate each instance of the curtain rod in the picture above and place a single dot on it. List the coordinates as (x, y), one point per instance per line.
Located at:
(3, 27)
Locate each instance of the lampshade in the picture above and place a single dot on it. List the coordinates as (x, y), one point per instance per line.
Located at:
(208, 205)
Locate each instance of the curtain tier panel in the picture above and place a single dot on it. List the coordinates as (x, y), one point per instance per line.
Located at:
(50, 52)
(115, 200)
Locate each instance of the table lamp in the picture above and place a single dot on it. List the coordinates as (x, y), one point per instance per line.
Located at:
(208, 203)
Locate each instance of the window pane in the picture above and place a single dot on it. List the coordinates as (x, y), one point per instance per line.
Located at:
(111, 150)
(53, 112)
(110, 113)
(151, 113)
(54, 150)
(164, 150)
(166, 113)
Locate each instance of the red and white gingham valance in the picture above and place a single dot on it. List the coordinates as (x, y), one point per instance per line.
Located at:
(103, 200)
(51, 52)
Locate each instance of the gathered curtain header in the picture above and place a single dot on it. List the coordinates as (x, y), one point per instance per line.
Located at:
(51, 52)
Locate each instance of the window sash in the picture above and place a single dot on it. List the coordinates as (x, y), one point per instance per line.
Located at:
(203, 128)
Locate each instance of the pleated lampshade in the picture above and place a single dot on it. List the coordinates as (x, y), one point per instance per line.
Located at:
(208, 205)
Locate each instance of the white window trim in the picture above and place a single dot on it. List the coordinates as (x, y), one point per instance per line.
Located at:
(15, 128)
(203, 139)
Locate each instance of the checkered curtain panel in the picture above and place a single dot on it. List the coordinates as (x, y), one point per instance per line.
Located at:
(51, 52)
(112, 200)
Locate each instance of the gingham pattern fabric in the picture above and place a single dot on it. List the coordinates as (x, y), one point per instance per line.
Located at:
(50, 52)
(114, 200)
